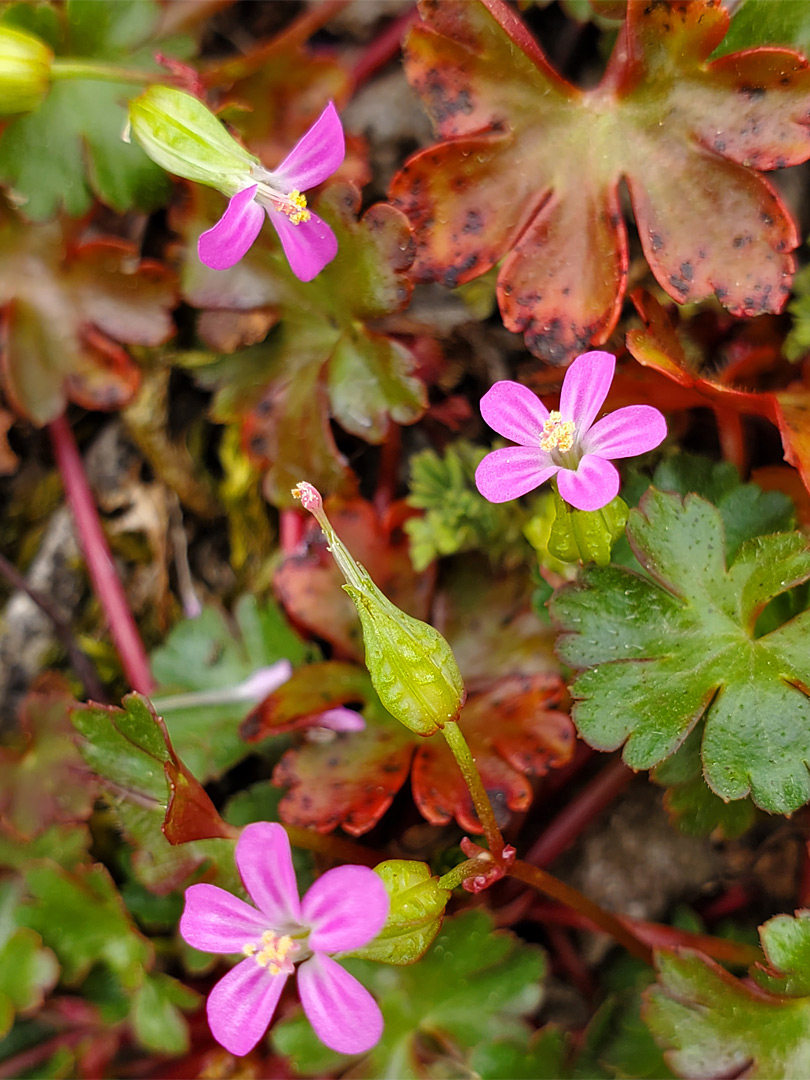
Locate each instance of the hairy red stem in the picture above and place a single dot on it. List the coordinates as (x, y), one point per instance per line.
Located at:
(93, 542)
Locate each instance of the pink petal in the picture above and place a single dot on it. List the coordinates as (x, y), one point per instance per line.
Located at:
(265, 865)
(216, 921)
(315, 156)
(585, 388)
(232, 237)
(626, 432)
(592, 486)
(515, 412)
(339, 719)
(242, 1004)
(308, 246)
(346, 908)
(511, 472)
(345, 1016)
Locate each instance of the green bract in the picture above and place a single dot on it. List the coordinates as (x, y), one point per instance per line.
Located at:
(184, 137)
(25, 71)
(663, 653)
(415, 915)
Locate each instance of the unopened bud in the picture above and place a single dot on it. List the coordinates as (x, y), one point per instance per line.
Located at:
(25, 71)
(411, 665)
(184, 137)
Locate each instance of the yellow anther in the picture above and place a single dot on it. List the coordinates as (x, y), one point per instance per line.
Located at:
(296, 208)
(273, 953)
(557, 434)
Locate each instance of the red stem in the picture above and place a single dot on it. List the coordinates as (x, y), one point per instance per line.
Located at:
(655, 935)
(585, 808)
(383, 48)
(93, 542)
(291, 528)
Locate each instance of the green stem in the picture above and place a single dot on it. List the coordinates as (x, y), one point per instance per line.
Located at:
(574, 899)
(469, 868)
(472, 778)
(91, 69)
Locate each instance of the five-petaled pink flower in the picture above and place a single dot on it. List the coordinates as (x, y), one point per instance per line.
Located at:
(344, 909)
(565, 443)
(308, 242)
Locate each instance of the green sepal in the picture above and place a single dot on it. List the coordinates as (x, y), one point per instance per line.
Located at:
(411, 665)
(184, 137)
(25, 71)
(415, 916)
(586, 535)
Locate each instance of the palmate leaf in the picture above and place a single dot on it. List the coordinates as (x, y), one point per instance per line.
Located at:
(713, 1025)
(658, 655)
(70, 149)
(325, 358)
(530, 166)
(65, 309)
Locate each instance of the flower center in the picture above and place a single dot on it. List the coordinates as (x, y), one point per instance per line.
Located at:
(297, 209)
(293, 204)
(273, 952)
(557, 434)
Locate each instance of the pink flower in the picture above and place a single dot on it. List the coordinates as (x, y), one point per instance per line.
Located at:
(565, 443)
(308, 242)
(344, 909)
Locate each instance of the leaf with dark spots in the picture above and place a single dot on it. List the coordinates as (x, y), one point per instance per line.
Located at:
(327, 359)
(43, 779)
(310, 586)
(66, 309)
(659, 347)
(530, 168)
(514, 730)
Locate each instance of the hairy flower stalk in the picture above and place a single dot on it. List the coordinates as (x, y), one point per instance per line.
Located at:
(568, 444)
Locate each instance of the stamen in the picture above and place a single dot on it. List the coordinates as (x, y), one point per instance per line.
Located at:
(296, 208)
(274, 952)
(557, 434)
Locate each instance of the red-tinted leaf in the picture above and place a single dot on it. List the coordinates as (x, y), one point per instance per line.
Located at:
(659, 347)
(309, 584)
(311, 689)
(531, 166)
(351, 779)
(514, 730)
(65, 309)
(44, 781)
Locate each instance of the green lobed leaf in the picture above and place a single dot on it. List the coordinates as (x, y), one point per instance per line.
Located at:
(473, 986)
(713, 1025)
(786, 944)
(81, 917)
(70, 151)
(657, 656)
(414, 918)
(763, 22)
(207, 653)
(458, 518)
(156, 1018)
(541, 1057)
(128, 749)
(27, 970)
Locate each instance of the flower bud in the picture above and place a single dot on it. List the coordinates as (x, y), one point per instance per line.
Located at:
(184, 137)
(411, 665)
(25, 71)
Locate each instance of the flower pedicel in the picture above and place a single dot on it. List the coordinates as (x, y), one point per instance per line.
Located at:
(344, 909)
